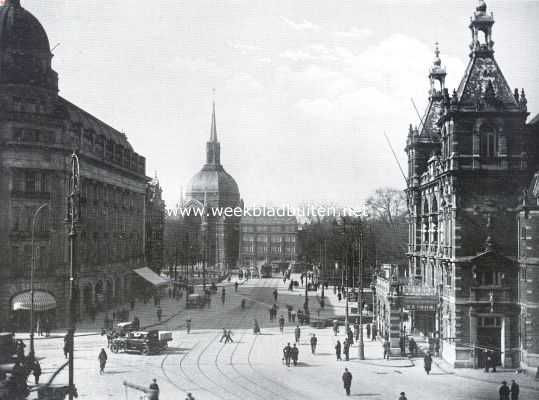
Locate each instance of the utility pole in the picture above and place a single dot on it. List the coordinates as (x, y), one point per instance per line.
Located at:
(361, 347)
(73, 217)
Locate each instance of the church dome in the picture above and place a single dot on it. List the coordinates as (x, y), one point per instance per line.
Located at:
(25, 55)
(212, 185)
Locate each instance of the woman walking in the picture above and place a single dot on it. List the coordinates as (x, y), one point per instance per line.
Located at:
(102, 361)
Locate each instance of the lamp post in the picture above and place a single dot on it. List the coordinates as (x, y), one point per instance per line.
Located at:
(361, 347)
(32, 269)
(73, 217)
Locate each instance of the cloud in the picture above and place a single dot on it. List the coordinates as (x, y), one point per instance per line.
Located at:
(301, 26)
(354, 33)
(243, 83)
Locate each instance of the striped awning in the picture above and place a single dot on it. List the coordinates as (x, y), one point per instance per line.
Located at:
(43, 301)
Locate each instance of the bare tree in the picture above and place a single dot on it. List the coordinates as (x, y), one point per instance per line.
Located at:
(387, 205)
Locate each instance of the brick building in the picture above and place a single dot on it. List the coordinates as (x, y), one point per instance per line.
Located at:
(267, 240)
(39, 130)
(469, 163)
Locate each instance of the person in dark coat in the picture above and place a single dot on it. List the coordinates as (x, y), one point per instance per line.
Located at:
(374, 332)
(427, 362)
(504, 391)
(387, 349)
(515, 390)
(314, 342)
(346, 349)
(297, 333)
(287, 353)
(155, 390)
(36, 368)
(294, 354)
(102, 361)
(403, 396)
(338, 350)
(347, 381)
(412, 346)
(281, 324)
(368, 331)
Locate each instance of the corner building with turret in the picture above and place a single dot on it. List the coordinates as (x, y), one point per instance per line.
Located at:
(471, 165)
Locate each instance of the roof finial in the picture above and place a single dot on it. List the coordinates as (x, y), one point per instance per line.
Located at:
(482, 7)
(437, 60)
(213, 132)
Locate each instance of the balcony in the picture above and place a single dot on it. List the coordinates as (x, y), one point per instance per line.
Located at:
(491, 294)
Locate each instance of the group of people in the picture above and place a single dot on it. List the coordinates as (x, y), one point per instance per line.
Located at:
(507, 392)
(290, 353)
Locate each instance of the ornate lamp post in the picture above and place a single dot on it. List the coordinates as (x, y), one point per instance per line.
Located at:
(32, 269)
(361, 347)
(72, 218)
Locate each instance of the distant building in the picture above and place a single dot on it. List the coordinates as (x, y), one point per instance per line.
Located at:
(39, 130)
(471, 281)
(155, 226)
(267, 240)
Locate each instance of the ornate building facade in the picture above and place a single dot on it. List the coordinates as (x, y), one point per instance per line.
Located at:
(39, 130)
(213, 192)
(267, 240)
(469, 163)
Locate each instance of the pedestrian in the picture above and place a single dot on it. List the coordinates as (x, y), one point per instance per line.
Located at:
(412, 346)
(374, 332)
(427, 362)
(504, 391)
(297, 333)
(154, 387)
(346, 349)
(159, 313)
(223, 298)
(338, 350)
(339, 296)
(102, 361)
(36, 368)
(403, 396)
(402, 345)
(350, 335)
(223, 336)
(515, 390)
(235, 286)
(228, 337)
(256, 328)
(271, 314)
(289, 310)
(275, 294)
(314, 342)
(368, 331)
(281, 324)
(335, 327)
(189, 397)
(295, 354)
(347, 381)
(387, 349)
(188, 325)
(287, 353)
(67, 344)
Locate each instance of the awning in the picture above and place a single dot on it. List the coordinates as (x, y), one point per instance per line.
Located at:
(151, 276)
(43, 301)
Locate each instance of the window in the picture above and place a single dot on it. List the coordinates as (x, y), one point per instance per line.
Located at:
(30, 182)
(491, 278)
(489, 143)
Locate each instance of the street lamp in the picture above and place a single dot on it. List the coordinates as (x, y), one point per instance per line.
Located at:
(72, 218)
(361, 347)
(32, 269)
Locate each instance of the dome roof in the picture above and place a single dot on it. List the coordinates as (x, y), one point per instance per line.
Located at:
(20, 30)
(214, 182)
(25, 54)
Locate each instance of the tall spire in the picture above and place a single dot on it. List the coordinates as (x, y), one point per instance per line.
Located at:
(213, 133)
(213, 148)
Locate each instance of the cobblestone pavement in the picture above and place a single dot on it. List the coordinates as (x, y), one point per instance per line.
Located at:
(252, 367)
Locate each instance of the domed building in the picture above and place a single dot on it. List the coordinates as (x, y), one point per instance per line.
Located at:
(215, 191)
(39, 130)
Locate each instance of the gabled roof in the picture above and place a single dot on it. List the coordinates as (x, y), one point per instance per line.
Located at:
(481, 70)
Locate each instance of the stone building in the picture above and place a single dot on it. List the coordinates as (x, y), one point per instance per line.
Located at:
(469, 163)
(267, 240)
(39, 130)
(155, 226)
(213, 192)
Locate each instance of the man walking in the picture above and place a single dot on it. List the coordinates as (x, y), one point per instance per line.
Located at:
(102, 361)
(504, 391)
(338, 350)
(347, 381)
(281, 324)
(387, 349)
(297, 333)
(223, 336)
(427, 361)
(295, 354)
(374, 332)
(188, 325)
(36, 368)
(287, 353)
(159, 313)
(412, 346)
(275, 294)
(346, 350)
(403, 396)
(515, 390)
(154, 387)
(314, 342)
(368, 331)
(235, 286)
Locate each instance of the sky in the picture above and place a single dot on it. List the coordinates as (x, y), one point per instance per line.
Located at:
(304, 89)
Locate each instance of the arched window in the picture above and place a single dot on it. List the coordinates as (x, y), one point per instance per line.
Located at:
(425, 221)
(434, 220)
(488, 142)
